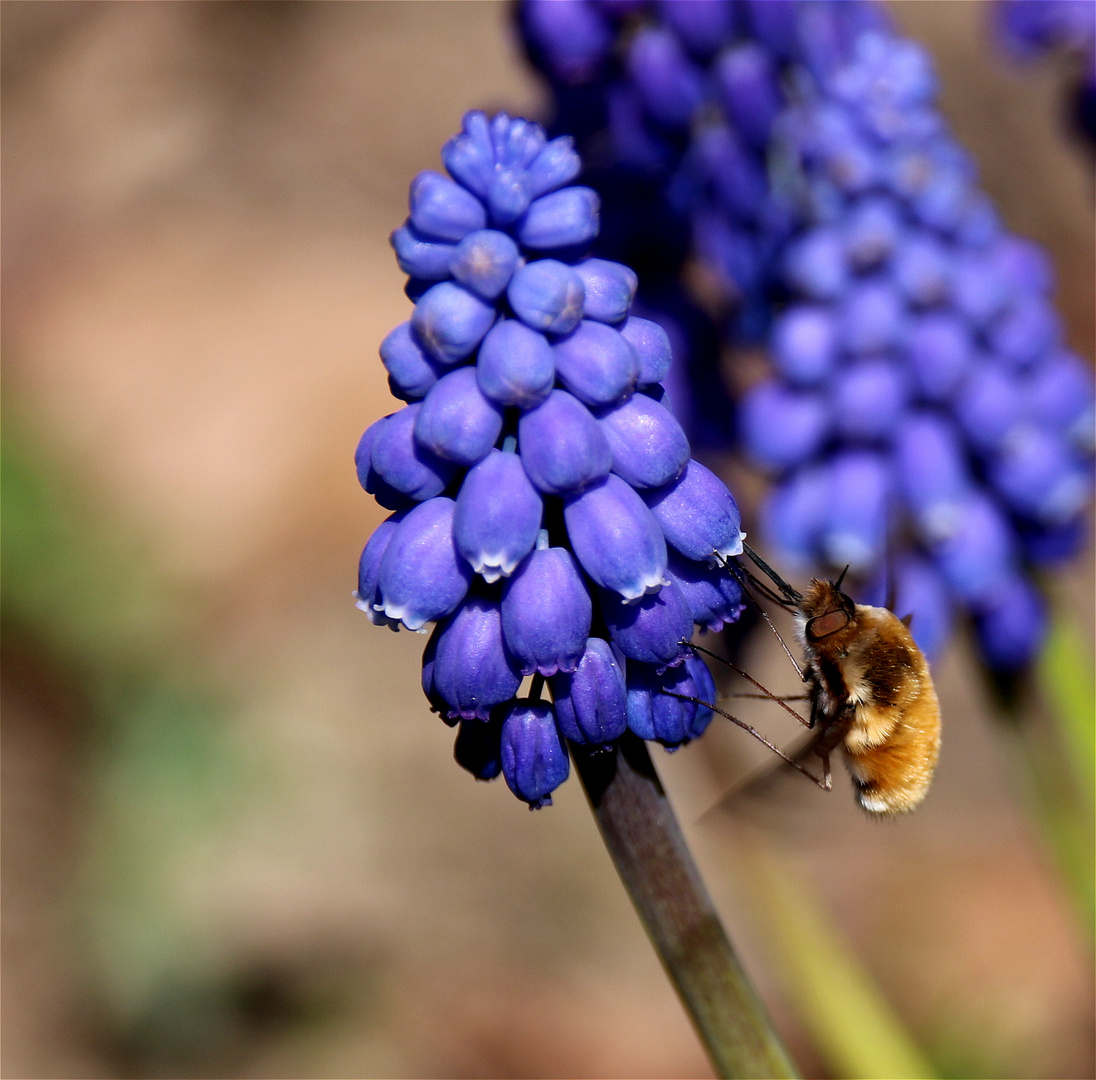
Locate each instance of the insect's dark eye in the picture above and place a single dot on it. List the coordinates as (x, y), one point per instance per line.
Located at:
(823, 625)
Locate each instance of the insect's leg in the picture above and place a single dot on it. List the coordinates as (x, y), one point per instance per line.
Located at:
(749, 678)
(827, 783)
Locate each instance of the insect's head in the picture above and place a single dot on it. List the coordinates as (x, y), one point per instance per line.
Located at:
(826, 609)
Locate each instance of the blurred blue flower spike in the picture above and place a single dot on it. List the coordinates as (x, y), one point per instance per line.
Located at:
(534, 474)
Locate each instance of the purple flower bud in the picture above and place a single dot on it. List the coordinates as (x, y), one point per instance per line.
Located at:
(652, 346)
(940, 349)
(815, 264)
(483, 262)
(546, 612)
(989, 405)
(410, 371)
(515, 365)
(872, 232)
(654, 713)
(561, 445)
(703, 25)
(405, 465)
(421, 576)
(369, 478)
(1028, 330)
(1024, 265)
(437, 704)
(747, 84)
(651, 629)
(1059, 393)
(668, 82)
(698, 515)
(649, 448)
(451, 321)
(856, 526)
(567, 218)
(932, 473)
(872, 317)
(979, 554)
(774, 23)
(473, 670)
(456, 421)
(570, 34)
(731, 168)
(369, 567)
(1011, 624)
(556, 164)
(497, 517)
(591, 704)
(979, 290)
(419, 256)
(1040, 478)
(804, 344)
(442, 209)
(616, 539)
(712, 594)
(596, 364)
(610, 288)
(922, 269)
(795, 513)
(781, 426)
(547, 295)
(478, 747)
(534, 759)
(869, 398)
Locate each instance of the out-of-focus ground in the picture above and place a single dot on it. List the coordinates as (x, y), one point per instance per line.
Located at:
(258, 858)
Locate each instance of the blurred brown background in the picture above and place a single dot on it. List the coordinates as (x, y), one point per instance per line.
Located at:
(234, 840)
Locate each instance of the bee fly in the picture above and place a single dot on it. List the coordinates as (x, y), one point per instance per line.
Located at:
(869, 688)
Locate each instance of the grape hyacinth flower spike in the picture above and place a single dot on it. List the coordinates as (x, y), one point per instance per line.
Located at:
(547, 515)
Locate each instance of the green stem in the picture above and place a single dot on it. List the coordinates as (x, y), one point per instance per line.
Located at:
(657, 868)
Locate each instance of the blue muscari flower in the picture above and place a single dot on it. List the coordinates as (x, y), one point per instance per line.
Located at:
(519, 470)
(655, 711)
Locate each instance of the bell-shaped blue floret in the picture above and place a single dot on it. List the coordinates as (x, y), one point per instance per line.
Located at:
(547, 295)
(651, 629)
(369, 570)
(469, 156)
(668, 82)
(567, 218)
(456, 421)
(450, 321)
(572, 36)
(561, 445)
(483, 262)
(473, 670)
(698, 515)
(616, 538)
(746, 78)
(980, 552)
(783, 426)
(498, 515)
(1028, 330)
(1059, 393)
(591, 704)
(804, 344)
(872, 317)
(869, 398)
(989, 405)
(411, 371)
(815, 263)
(515, 365)
(596, 364)
(702, 27)
(922, 270)
(610, 288)
(652, 347)
(403, 463)
(556, 164)
(932, 472)
(1011, 624)
(1040, 477)
(444, 210)
(711, 593)
(478, 747)
(534, 759)
(940, 351)
(856, 520)
(368, 477)
(437, 704)
(422, 576)
(546, 612)
(420, 256)
(655, 713)
(649, 448)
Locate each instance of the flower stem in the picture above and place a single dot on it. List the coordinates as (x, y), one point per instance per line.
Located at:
(657, 868)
